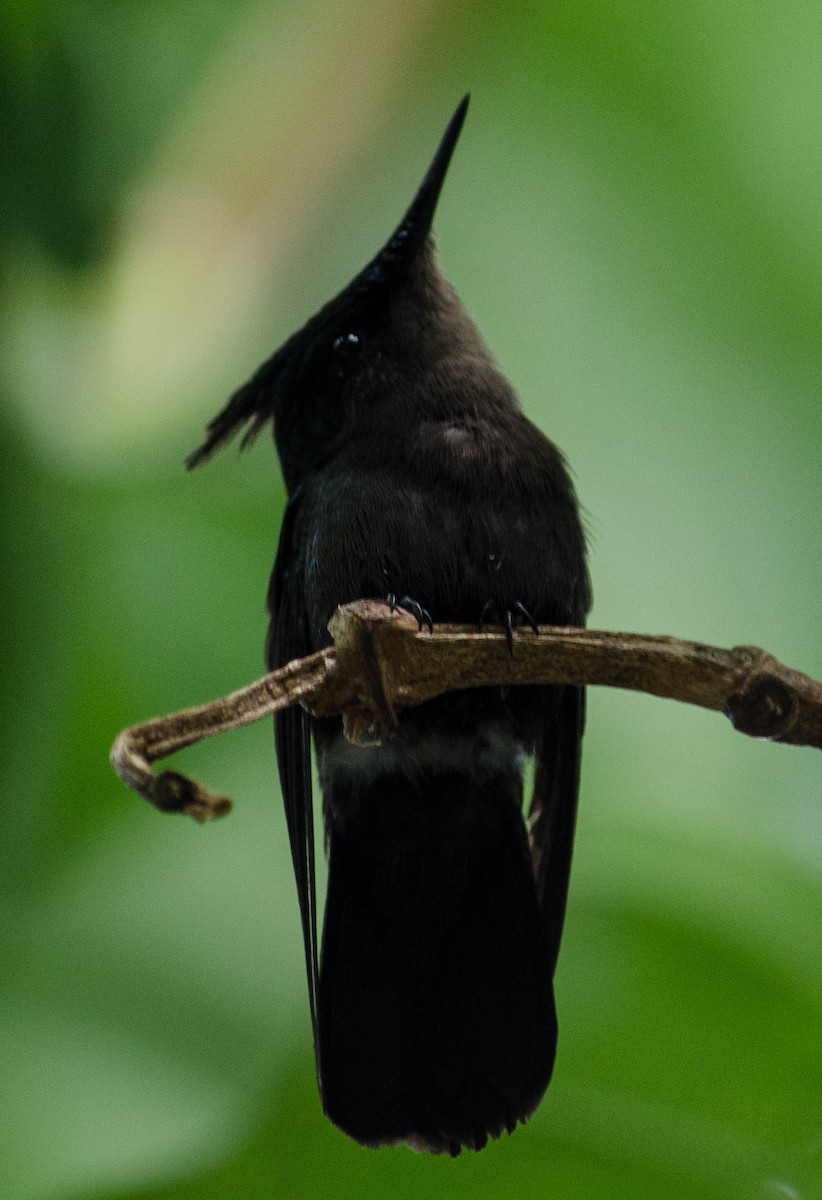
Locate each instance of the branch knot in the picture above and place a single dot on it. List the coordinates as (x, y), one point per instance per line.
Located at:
(764, 703)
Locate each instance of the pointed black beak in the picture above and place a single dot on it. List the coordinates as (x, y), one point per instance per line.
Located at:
(413, 229)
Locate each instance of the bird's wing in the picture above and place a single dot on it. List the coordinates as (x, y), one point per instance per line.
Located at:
(553, 809)
(288, 638)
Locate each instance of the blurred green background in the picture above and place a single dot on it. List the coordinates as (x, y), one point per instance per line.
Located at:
(632, 215)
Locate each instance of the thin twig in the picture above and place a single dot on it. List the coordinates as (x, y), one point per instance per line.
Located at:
(381, 661)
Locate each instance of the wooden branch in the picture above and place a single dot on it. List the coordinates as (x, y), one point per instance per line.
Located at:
(381, 662)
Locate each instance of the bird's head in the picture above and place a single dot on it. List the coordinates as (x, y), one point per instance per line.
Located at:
(393, 322)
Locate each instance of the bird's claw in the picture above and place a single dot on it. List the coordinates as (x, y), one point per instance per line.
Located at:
(510, 620)
(525, 617)
(414, 607)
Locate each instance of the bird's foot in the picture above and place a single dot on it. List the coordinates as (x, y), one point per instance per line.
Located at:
(414, 607)
(509, 618)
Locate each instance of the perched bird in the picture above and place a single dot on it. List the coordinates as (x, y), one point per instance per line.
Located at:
(413, 476)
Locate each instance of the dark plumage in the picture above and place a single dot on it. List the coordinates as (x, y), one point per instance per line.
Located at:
(413, 474)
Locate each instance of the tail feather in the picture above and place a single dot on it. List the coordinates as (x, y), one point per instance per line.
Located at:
(436, 1015)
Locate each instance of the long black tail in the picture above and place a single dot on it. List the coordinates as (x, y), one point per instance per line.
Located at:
(436, 1014)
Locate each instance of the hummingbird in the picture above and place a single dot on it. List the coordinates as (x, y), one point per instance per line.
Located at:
(414, 477)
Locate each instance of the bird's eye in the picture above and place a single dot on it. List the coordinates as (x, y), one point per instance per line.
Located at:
(346, 346)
